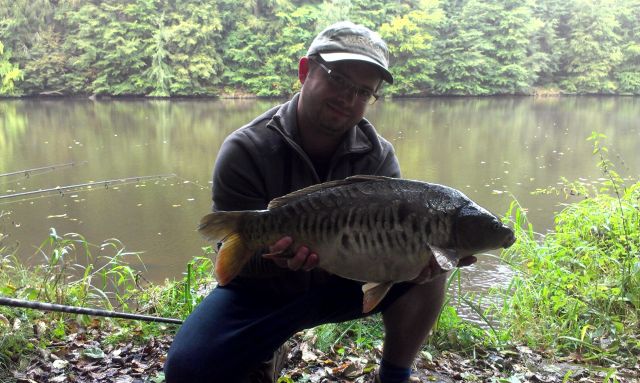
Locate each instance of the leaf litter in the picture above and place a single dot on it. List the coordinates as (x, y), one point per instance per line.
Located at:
(90, 354)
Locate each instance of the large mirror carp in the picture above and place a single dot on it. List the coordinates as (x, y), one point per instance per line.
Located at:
(374, 229)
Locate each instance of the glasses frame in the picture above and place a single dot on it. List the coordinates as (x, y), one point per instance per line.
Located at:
(343, 84)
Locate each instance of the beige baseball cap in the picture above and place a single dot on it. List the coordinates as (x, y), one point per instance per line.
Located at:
(348, 41)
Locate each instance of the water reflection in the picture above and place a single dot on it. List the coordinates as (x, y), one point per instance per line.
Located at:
(493, 149)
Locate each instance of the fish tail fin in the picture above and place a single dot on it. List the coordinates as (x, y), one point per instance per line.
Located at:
(222, 227)
(218, 225)
(232, 257)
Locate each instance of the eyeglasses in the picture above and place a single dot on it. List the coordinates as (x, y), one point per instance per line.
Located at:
(341, 83)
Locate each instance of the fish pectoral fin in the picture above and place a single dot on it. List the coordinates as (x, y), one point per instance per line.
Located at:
(373, 294)
(447, 259)
(231, 258)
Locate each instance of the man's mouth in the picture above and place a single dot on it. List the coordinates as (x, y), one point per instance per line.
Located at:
(336, 109)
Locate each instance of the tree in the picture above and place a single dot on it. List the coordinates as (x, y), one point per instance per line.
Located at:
(29, 31)
(262, 56)
(409, 39)
(207, 47)
(627, 72)
(194, 46)
(511, 39)
(593, 49)
(489, 46)
(461, 65)
(160, 74)
(548, 42)
(335, 10)
(9, 73)
(145, 47)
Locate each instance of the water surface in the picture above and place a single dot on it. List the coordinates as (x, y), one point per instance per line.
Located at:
(493, 149)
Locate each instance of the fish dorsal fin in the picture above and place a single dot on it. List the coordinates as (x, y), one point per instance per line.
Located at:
(285, 199)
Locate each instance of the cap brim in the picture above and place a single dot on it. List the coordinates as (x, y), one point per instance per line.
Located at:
(342, 56)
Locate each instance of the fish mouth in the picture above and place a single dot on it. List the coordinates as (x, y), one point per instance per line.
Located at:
(510, 240)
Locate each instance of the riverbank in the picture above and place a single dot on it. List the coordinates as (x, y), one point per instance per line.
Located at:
(239, 94)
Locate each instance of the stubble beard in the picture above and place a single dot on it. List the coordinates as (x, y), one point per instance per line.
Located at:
(331, 124)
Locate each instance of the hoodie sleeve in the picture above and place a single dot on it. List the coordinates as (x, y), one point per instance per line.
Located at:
(238, 183)
(389, 166)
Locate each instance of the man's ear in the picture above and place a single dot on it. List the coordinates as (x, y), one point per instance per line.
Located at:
(303, 69)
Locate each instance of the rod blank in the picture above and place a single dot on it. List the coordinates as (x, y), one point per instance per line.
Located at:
(4, 301)
(106, 184)
(29, 172)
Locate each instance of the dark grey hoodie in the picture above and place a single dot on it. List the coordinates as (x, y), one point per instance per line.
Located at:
(264, 160)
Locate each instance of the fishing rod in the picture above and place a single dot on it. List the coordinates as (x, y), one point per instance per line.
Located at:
(106, 184)
(82, 310)
(29, 172)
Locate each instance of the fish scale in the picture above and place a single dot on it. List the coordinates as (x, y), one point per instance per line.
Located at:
(373, 229)
(362, 227)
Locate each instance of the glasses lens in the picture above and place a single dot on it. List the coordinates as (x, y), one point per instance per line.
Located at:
(342, 83)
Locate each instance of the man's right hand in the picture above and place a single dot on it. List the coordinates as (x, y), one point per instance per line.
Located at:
(283, 255)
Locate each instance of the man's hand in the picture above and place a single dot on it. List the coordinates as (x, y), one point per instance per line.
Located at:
(284, 256)
(432, 269)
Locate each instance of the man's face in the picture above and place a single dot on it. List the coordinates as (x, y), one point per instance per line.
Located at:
(329, 106)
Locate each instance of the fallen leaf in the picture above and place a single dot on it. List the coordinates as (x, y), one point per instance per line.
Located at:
(5, 321)
(93, 353)
(60, 364)
(307, 354)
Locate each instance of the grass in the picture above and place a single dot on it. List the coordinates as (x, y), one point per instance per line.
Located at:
(577, 289)
(450, 332)
(69, 270)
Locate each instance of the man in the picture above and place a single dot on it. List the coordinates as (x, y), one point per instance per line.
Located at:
(319, 135)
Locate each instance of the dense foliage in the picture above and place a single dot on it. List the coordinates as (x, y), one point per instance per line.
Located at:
(226, 47)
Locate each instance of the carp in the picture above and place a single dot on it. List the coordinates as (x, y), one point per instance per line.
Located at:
(374, 229)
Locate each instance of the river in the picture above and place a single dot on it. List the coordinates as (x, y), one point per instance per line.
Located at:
(493, 149)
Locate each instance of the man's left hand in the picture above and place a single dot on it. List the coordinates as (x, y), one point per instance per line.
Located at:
(300, 258)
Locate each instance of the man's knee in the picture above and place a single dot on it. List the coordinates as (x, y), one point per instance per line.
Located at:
(419, 299)
(179, 367)
(186, 366)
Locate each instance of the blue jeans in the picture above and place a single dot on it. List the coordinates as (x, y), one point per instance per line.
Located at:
(239, 325)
